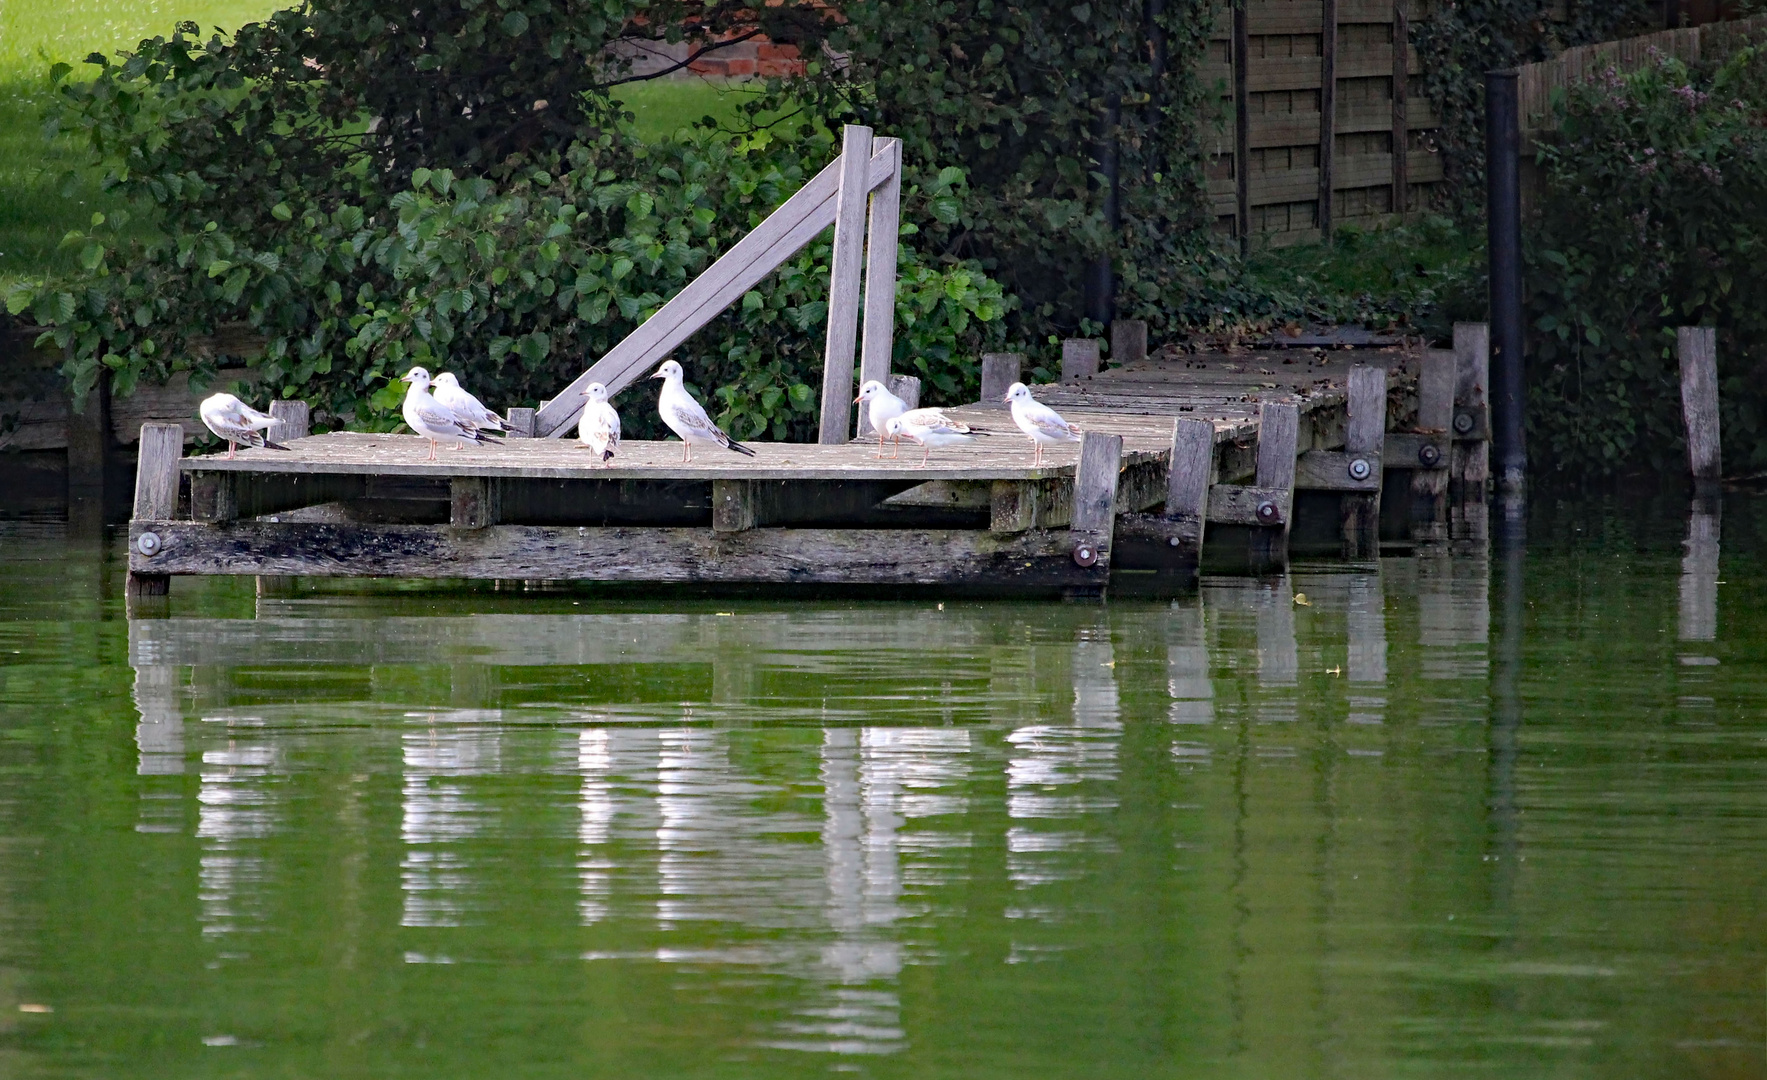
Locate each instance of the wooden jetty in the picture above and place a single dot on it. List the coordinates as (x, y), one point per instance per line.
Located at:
(1176, 445)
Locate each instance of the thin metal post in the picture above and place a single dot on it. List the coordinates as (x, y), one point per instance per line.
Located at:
(1101, 284)
(1504, 218)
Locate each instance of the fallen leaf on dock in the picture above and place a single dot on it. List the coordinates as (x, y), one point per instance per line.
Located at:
(1302, 601)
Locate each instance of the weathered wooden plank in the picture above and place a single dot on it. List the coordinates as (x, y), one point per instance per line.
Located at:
(474, 502)
(1095, 483)
(1128, 341)
(214, 496)
(1470, 467)
(1409, 450)
(1232, 504)
(1278, 429)
(521, 423)
(947, 495)
(733, 506)
(1435, 390)
(1015, 506)
(1079, 359)
(882, 229)
(1335, 470)
(797, 221)
(972, 558)
(843, 288)
(1697, 347)
(999, 371)
(157, 471)
(1191, 472)
(293, 421)
(1364, 439)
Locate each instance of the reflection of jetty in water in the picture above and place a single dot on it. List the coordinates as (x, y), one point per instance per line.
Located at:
(807, 797)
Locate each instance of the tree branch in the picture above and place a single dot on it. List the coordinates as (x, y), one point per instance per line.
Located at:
(691, 58)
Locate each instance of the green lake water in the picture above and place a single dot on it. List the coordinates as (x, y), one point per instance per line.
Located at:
(1502, 816)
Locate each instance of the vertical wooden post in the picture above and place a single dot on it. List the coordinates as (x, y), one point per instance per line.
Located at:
(843, 287)
(1401, 108)
(906, 387)
(1128, 340)
(156, 499)
(293, 421)
(1079, 359)
(1279, 430)
(1364, 440)
(521, 423)
(880, 273)
(1469, 468)
(1242, 126)
(1000, 371)
(1095, 501)
(1328, 114)
(1192, 471)
(1697, 347)
(1435, 415)
(733, 506)
(474, 502)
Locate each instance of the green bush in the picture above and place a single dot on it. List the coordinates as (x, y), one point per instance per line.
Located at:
(1654, 216)
(357, 248)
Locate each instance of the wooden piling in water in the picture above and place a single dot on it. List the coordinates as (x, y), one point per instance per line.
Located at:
(1365, 433)
(156, 499)
(1429, 451)
(1469, 473)
(1697, 348)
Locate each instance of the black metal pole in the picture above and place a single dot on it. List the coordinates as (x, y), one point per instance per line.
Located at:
(1503, 193)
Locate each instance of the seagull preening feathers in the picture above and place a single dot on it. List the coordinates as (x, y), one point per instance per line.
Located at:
(686, 418)
(929, 428)
(599, 427)
(236, 422)
(448, 393)
(435, 421)
(1043, 424)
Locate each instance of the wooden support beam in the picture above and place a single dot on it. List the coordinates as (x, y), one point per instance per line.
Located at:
(1015, 506)
(1337, 470)
(1328, 113)
(1128, 340)
(999, 371)
(1095, 504)
(156, 501)
(785, 232)
(1697, 348)
(214, 496)
(293, 421)
(1171, 542)
(882, 229)
(521, 423)
(474, 502)
(1268, 508)
(843, 287)
(733, 506)
(1471, 467)
(1279, 427)
(1039, 559)
(1430, 452)
(1364, 439)
(1079, 359)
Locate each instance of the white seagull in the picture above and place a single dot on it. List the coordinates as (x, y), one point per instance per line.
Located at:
(599, 427)
(1042, 423)
(885, 406)
(686, 418)
(928, 430)
(235, 421)
(434, 421)
(468, 408)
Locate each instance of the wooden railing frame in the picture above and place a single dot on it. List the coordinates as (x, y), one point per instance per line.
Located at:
(785, 232)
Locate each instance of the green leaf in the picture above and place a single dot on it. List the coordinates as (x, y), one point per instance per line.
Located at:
(419, 177)
(282, 212)
(515, 24)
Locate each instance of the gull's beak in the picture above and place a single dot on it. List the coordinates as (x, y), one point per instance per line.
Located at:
(657, 375)
(858, 399)
(585, 393)
(1007, 398)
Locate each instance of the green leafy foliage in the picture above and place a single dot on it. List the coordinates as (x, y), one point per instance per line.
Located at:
(1021, 98)
(364, 217)
(1655, 216)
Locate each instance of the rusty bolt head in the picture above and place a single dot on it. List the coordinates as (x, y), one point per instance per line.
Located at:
(1428, 456)
(148, 543)
(1463, 422)
(1360, 469)
(1085, 554)
(1269, 513)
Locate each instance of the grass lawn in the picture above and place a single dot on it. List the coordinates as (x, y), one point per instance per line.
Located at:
(35, 213)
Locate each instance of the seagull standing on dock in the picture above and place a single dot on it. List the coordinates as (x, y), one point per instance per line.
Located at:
(1043, 424)
(928, 431)
(686, 418)
(434, 421)
(599, 427)
(235, 421)
(468, 408)
(885, 406)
